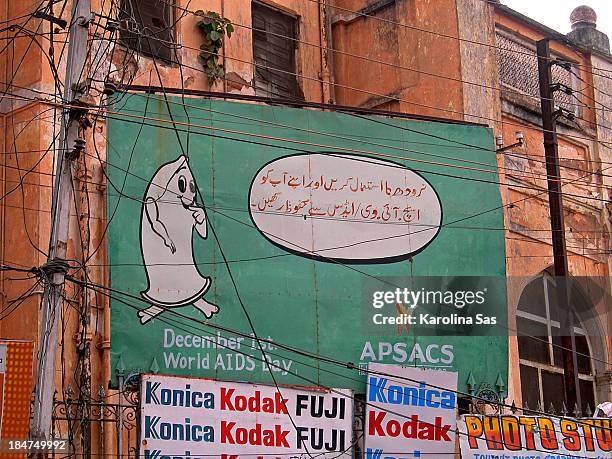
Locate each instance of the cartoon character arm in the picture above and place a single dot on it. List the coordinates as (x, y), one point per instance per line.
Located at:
(158, 227)
(199, 215)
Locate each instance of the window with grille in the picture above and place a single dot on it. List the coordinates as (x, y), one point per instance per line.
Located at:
(147, 27)
(518, 68)
(540, 350)
(274, 52)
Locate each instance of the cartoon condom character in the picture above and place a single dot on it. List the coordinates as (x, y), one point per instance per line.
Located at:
(169, 216)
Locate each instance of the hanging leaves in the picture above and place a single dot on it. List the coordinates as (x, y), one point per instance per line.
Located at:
(214, 29)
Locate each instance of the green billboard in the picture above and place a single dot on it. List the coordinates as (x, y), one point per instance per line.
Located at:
(229, 220)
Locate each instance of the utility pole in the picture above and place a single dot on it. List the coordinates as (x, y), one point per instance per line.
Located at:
(555, 199)
(55, 269)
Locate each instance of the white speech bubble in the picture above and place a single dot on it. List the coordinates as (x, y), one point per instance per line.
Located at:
(335, 207)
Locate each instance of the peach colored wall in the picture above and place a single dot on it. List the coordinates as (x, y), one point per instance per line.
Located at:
(36, 198)
(559, 49)
(531, 253)
(412, 53)
(399, 46)
(238, 52)
(25, 214)
(30, 71)
(481, 87)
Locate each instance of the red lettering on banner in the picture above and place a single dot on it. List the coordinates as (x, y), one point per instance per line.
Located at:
(529, 437)
(257, 436)
(493, 433)
(474, 430)
(254, 404)
(571, 439)
(413, 428)
(375, 423)
(512, 433)
(548, 438)
(604, 436)
(589, 442)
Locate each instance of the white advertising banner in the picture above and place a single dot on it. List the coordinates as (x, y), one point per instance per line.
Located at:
(534, 437)
(203, 419)
(411, 412)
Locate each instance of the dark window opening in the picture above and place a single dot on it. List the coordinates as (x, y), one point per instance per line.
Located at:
(530, 386)
(518, 68)
(540, 350)
(147, 27)
(359, 425)
(274, 53)
(552, 391)
(464, 404)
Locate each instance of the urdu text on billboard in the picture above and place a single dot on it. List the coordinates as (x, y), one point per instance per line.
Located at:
(291, 215)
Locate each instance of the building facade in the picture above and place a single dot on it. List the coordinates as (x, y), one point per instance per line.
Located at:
(412, 57)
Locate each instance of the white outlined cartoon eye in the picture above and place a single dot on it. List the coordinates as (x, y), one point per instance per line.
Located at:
(192, 187)
(182, 184)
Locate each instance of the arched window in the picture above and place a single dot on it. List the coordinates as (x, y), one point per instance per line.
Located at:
(540, 350)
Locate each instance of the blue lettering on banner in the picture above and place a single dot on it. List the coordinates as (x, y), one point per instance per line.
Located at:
(404, 395)
(378, 454)
(178, 397)
(156, 430)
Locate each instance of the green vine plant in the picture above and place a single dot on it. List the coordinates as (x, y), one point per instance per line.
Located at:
(214, 28)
